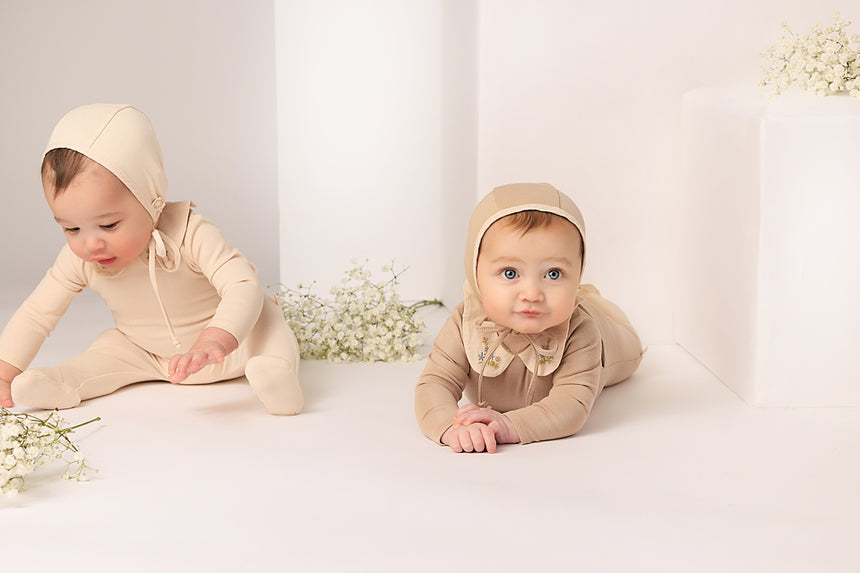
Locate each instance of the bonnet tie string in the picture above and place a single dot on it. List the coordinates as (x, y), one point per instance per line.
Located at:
(158, 249)
(530, 391)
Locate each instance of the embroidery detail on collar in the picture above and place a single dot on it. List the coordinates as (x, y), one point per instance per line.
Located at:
(492, 360)
(546, 358)
(492, 352)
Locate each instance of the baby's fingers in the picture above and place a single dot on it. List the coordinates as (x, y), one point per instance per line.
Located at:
(178, 367)
(6, 394)
(457, 444)
(198, 360)
(489, 439)
(479, 438)
(482, 438)
(481, 415)
(174, 362)
(466, 408)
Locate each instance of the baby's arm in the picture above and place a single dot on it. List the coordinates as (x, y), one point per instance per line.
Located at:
(7, 374)
(236, 282)
(211, 347)
(575, 386)
(37, 316)
(440, 388)
(441, 385)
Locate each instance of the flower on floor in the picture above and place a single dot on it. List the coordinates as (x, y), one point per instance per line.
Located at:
(824, 61)
(364, 321)
(28, 442)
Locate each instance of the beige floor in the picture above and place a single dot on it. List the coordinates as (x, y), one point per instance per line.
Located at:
(672, 473)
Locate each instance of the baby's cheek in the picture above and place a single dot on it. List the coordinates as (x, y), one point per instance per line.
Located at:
(77, 249)
(571, 302)
(490, 299)
(135, 246)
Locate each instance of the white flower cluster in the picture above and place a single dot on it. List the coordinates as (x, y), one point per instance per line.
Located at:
(365, 321)
(28, 442)
(825, 61)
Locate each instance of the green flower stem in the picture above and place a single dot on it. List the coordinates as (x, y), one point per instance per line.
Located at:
(425, 303)
(82, 424)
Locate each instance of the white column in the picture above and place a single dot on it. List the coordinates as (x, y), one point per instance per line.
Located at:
(770, 254)
(377, 137)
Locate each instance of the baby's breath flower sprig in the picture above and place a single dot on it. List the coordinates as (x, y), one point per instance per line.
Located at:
(363, 321)
(824, 61)
(28, 442)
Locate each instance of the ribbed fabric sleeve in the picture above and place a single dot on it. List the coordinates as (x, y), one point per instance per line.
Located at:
(40, 312)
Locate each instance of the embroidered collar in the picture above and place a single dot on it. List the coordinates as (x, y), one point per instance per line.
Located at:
(491, 348)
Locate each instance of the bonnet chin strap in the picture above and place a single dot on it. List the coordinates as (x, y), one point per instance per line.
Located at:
(168, 255)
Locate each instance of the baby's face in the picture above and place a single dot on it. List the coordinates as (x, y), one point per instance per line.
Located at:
(103, 221)
(529, 282)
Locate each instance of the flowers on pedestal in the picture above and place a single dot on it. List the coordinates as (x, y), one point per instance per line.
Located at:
(824, 61)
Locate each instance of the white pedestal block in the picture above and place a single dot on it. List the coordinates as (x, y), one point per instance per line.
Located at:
(769, 249)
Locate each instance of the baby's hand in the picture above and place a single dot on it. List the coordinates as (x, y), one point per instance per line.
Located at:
(211, 347)
(6, 394)
(501, 426)
(472, 438)
(7, 374)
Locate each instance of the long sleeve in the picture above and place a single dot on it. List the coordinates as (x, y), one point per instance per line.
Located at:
(40, 312)
(441, 385)
(232, 275)
(575, 386)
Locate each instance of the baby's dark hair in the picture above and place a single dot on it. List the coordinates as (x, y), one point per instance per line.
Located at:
(525, 221)
(64, 164)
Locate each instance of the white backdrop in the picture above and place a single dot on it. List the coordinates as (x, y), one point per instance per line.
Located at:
(393, 118)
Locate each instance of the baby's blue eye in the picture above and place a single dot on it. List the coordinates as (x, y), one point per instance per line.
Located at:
(509, 274)
(553, 274)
